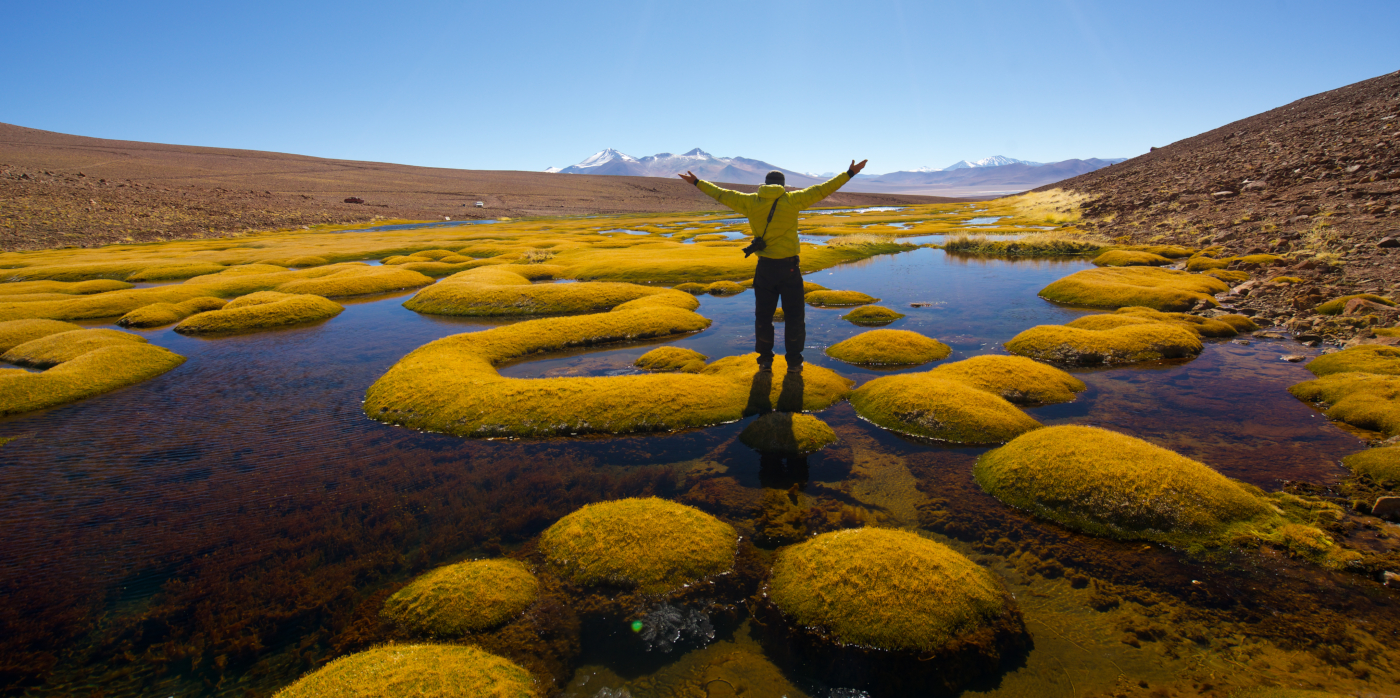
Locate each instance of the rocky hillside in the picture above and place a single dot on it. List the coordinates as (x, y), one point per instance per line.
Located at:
(1315, 182)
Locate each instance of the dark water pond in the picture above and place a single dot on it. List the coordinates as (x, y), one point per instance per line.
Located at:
(227, 526)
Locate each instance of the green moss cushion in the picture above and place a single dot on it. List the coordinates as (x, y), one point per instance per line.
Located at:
(651, 544)
(1016, 379)
(16, 332)
(1366, 400)
(671, 359)
(887, 589)
(1117, 287)
(1128, 343)
(787, 432)
(1380, 464)
(416, 671)
(1109, 484)
(837, 299)
(263, 310)
(1367, 358)
(871, 315)
(889, 348)
(454, 600)
(1129, 258)
(925, 404)
(1337, 305)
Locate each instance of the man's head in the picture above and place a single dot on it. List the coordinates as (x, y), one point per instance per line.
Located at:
(775, 177)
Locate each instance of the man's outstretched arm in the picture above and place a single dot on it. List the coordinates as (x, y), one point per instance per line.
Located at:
(737, 201)
(811, 195)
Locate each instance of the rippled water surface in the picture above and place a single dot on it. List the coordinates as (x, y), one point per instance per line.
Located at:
(227, 526)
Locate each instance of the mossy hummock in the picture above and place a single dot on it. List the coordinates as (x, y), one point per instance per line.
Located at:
(358, 280)
(1367, 400)
(1227, 275)
(51, 350)
(1128, 343)
(451, 385)
(651, 545)
(838, 299)
(162, 314)
(416, 671)
(1367, 358)
(872, 315)
(1219, 327)
(174, 272)
(98, 371)
(889, 348)
(16, 332)
(263, 310)
(1382, 465)
(935, 407)
(788, 433)
(1337, 305)
(1151, 287)
(1015, 379)
(724, 288)
(1129, 258)
(459, 599)
(67, 288)
(1113, 485)
(497, 291)
(671, 359)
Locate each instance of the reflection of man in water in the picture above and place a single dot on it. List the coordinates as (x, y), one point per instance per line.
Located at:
(772, 214)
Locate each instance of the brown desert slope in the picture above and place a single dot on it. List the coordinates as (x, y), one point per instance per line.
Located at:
(59, 190)
(1315, 181)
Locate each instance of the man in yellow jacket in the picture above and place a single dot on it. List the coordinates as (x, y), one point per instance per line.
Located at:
(772, 214)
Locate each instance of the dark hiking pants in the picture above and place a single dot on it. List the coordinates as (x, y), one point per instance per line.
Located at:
(772, 280)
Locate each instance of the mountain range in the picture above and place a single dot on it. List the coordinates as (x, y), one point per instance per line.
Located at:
(993, 175)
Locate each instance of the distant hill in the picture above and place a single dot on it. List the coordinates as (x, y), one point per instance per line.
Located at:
(736, 170)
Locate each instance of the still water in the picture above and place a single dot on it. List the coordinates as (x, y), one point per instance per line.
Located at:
(226, 527)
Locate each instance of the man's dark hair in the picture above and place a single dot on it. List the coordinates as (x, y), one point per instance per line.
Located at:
(775, 177)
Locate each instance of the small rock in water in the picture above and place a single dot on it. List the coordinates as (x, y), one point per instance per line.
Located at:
(1242, 342)
(1386, 508)
(920, 304)
(1293, 358)
(1267, 335)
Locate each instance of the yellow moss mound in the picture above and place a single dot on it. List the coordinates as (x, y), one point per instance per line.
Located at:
(1367, 358)
(724, 288)
(357, 281)
(161, 314)
(101, 305)
(1149, 341)
(1015, 379)
(306, 261)
(1285, 280)
(1224, 326)
(1129, 258)
(871, 315)
(261, 311)
(935, 407)
(692, 288)
(495, 291)
(1227, 275)
(1273, 692)
(1151, 287)
(74, 288)
(1112, 485)
(651, 544)
(808, 287)
(1168, 251)
(1241, 323)
(93, 373)
(889, 348)
(416, 671)
(1387, 331)
(887, 589)
(172, 272)
(454, 600)
(1203, 262)
(1366, 400)
(671, 359)
(786, 432)
(837, 299)
(16, 332)
(1337, 305)
(1380, 464)
(54, 349)
(451, 385)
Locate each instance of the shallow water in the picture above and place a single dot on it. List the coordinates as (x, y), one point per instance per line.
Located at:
(237, 521)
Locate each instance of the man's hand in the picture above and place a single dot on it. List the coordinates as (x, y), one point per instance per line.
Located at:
(855, 167)
(690, 176)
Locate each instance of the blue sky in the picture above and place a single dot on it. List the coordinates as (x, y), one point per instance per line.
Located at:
(804, 85)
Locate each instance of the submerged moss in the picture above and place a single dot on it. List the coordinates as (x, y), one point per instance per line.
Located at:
(53, 349)
(16, 332)
(1015, 379)
(671, 359)
(1367, 358)
(416, 671)
(837, 299)
(454, 600)
(1151, 287)
(871, 315)
(787, 433)
(261, 311)
(1147, 341)
(1112, 485)
(889, 348)
(650, 544)
(1382, 465)
(161, 314)
(1129, 258)
(887, 589)
(92, 373)
(1366, 400)
(932, 406)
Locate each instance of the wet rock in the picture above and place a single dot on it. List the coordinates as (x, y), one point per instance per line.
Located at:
(1293, 358)
(1386, 508)
(1305, 337)
(1361, 306)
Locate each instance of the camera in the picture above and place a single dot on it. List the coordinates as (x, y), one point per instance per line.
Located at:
(758, 245)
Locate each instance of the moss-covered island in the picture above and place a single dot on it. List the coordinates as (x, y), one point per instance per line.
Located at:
(416, 671)
(466, 597)
(889, 348)
(1151, 287)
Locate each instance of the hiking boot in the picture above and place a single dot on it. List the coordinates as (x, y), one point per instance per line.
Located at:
(795, 370)
(765, 368)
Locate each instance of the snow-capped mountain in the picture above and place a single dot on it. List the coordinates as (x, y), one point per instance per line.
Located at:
(993, 161)
(736, 170)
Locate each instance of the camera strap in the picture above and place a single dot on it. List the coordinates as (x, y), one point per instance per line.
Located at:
(771, 211)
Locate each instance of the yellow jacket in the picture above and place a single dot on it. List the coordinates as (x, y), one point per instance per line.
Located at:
(781, 234)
